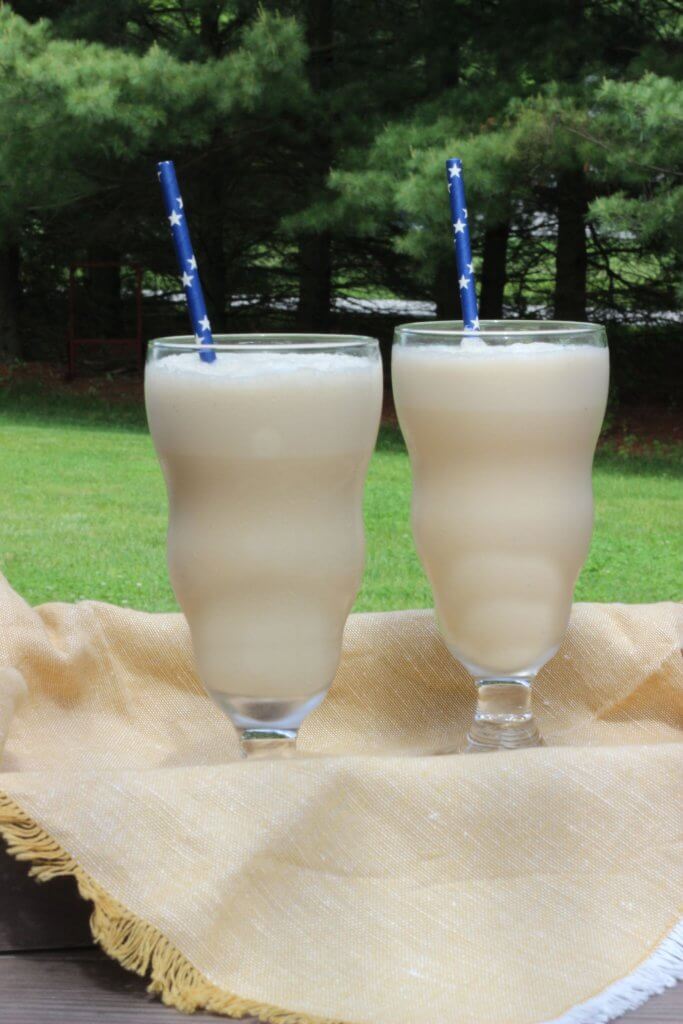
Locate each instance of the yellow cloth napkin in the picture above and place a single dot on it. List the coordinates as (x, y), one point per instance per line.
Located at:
(380, 887)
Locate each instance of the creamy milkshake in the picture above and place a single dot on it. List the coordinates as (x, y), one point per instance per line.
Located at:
(265, 452)
(501, 430)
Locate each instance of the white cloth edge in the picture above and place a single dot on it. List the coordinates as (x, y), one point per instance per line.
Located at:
(662, 970)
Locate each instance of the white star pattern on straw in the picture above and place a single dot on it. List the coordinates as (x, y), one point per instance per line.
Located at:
(470, 268)
(475, 323)
(188, 270)
(459, 226)
(464, 282)
(454, 171)
(464, 212)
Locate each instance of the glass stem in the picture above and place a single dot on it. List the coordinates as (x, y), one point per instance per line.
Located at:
(267, 743)
(503, 719)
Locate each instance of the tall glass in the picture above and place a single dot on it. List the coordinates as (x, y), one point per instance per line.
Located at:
(501, 428)
(264, 452)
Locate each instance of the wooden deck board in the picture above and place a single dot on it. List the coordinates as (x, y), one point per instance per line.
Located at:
(33, 916)
(83, 986)
(51, 974)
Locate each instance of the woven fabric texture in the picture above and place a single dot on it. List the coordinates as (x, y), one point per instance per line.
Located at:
(380, 885)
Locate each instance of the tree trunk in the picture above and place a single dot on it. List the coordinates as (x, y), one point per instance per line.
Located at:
(210, 240)
(445, 291)
(315, 251)
(441, 50)
(315, 282)
(103, 316)
(441, 71)
(211, 248)
(10, 301)
(493, 271)
(571, 261)
(209, 27)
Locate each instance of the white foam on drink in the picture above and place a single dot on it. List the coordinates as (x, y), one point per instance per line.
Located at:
(247, 363)
(473, 347)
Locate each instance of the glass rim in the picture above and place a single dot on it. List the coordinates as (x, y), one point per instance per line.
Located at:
(267, 341)
(500, 328)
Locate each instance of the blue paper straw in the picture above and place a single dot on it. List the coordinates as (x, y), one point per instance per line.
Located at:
(461, 241)
(187, 263)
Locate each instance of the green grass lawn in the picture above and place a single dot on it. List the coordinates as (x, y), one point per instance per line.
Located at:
(83, 513)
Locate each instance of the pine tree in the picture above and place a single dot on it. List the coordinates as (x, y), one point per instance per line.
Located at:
(310, 145)
(83, 124)
(528, 121)
(639, 137)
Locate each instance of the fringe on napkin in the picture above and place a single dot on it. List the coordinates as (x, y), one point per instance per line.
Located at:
(662, 970)
(137, 945)
(142, 948)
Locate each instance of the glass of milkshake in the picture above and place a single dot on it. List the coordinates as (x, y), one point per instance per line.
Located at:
(501, 427)
(264, 451)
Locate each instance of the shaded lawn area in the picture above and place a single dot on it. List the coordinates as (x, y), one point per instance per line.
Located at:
(83, 513)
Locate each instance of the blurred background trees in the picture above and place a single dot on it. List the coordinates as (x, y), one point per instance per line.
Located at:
(310, 137)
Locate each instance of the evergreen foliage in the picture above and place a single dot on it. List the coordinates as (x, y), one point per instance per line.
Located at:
(310, 139)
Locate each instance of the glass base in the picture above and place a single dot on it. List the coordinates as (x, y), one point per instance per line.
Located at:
(503, 719)
(267, 726)
(268, 743)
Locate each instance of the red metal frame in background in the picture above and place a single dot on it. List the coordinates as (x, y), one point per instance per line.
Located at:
(74, 342)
